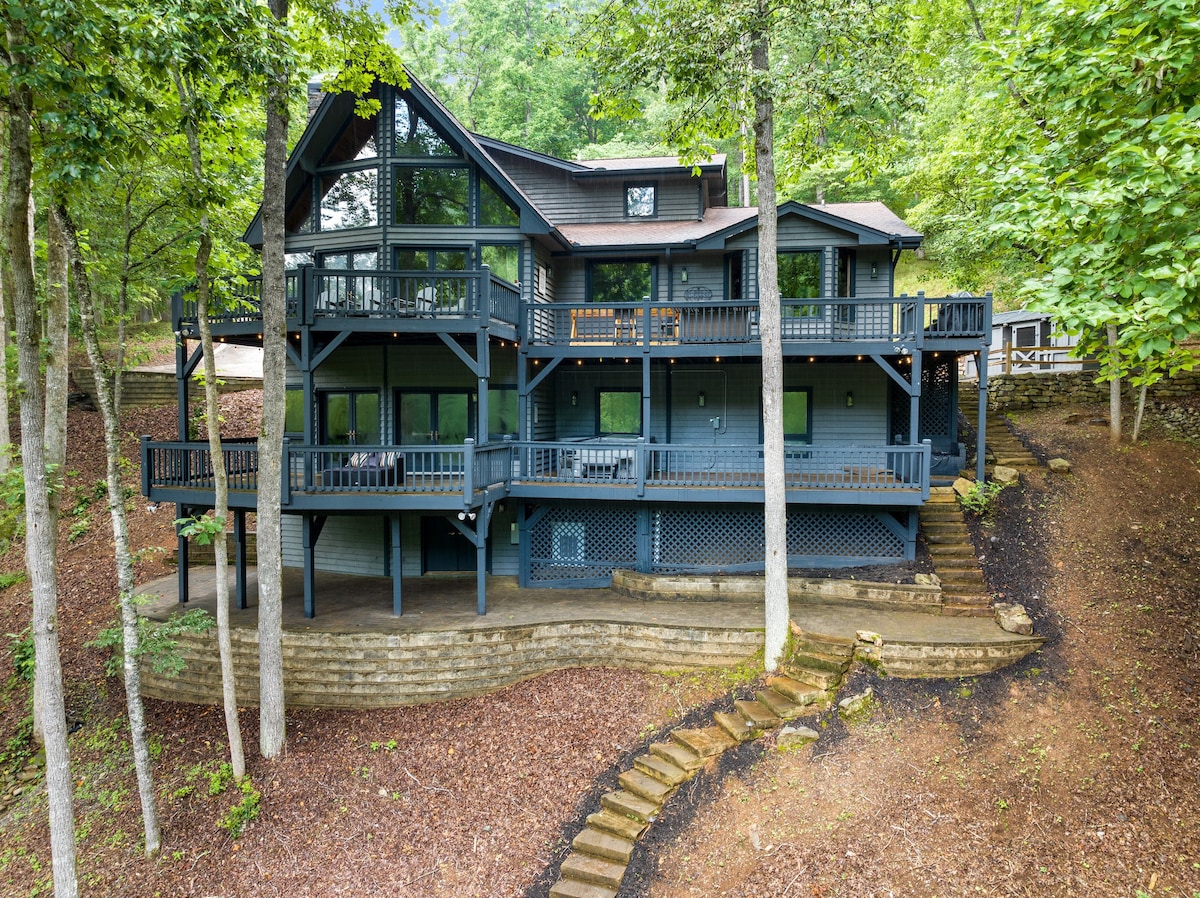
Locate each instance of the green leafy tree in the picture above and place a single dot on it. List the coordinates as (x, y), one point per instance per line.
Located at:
(804, 61)
(1103, 182)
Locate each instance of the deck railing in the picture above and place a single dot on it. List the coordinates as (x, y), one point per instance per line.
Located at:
(895, 319)
(469, 469)
(315, 294)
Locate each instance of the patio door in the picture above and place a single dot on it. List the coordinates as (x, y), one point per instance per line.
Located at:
(350, 418)
(444, 548)
(435, 418)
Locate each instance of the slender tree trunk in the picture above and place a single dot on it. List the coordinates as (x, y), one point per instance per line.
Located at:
(1141, 410)
(5, 433)
(212, 406)
(116, 510)
(40, 537)
(774, 493)
(270, 442)
(56, 354)
(1114, 391)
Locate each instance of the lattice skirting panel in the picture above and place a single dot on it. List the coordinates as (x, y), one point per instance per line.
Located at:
(583, 545)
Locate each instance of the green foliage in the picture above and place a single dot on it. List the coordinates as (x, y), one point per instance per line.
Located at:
(982, 497)
(246, 810)
(12, 506)
(158, 642)
(1104, 178)
(7, 580)
(204, 529)
(20, 646)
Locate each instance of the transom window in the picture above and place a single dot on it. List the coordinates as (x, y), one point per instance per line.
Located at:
(359, 260)
(641, 200)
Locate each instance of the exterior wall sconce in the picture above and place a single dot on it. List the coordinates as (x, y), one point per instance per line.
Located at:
(874, 269)
(683, 275)
(849, 399)
(574, 397)
(701, 399)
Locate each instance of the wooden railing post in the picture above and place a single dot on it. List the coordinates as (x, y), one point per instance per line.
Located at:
(285, 495)
(307, 284)
(468, 470)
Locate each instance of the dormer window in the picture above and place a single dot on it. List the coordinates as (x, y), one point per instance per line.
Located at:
(641, 200)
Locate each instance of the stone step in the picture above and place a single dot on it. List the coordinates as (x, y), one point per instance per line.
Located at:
(678, 754)
(629, 805)
(602, 844)
(800, 692)
(758, 716)
(662, 770)
(644, 786)
(823, 680)
(947, 539)
(734, 725)
(953, 550)
(620, 825)
(944, 528)
(595, 870)
(574, 888)
(821, 661)
(944, 513)
(706, 742)
(779, 705)
(957, 580)
(954, 610)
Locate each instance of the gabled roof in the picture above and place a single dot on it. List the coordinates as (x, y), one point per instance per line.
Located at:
(647, 165)
(872, 222)
(1018, 316)
(335, 110)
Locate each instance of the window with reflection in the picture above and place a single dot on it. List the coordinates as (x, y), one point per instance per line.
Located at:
(797, 415)
(641, 201)
(504, 260)
(618, 412)
(494, 209)
(800, 278)
(432, 195)
(349, 199)
(361, 259)
(356, 142)
(415, 137)
(624, 281)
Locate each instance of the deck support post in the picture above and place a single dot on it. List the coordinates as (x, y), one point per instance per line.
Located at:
(397, 563)
(310, 529)
(981, 426)
(181, 569)
(239, 554)
(645, 547)
(914, 402)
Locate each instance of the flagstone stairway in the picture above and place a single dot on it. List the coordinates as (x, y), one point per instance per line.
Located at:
(600, 853)
(964, 591)
(1003, 446)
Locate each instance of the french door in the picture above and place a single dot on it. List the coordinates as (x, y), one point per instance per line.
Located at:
(435, 418)
(350, 418)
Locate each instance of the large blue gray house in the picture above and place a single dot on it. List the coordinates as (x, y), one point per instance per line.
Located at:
(505, 362)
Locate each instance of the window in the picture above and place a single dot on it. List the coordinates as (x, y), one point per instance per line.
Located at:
(504, 259)
(619, 412)
(625, 281)
(800, 278)
(495, 210)
(361, 260)
(641, 200)
(350, 417)
(293, 417)
(349, 199)
(415, 136)
(356, 142)
(295, 260)
(431, 259)
(797, 415)
(502, 412)
(734, 281)
(432, 195)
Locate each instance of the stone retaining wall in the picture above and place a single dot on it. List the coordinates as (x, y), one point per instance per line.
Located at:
(158, 387)
(1041, 389)
(721, 588)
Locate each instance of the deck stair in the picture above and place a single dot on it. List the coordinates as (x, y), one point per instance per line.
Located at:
(964, 591)
(600, 853)
(1003, 446)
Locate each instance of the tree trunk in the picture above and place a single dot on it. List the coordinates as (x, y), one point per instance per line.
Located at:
(212, 407)
(270, 441)
(40, 538)
(116, 510)
(1141, 410)
(5, 433)
(56, 355)
(1114, 390)
(774, 493)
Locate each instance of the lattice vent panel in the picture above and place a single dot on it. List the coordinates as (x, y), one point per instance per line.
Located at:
(582, 543)
(937, 384)
(732, 539)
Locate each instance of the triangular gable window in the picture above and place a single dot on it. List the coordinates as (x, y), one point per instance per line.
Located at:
(415, 137)
(355, 143)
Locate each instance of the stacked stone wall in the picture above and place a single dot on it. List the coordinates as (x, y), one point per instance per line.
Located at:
(1042, 389)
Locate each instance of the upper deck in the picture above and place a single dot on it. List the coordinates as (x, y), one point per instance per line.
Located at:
(414, 302)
